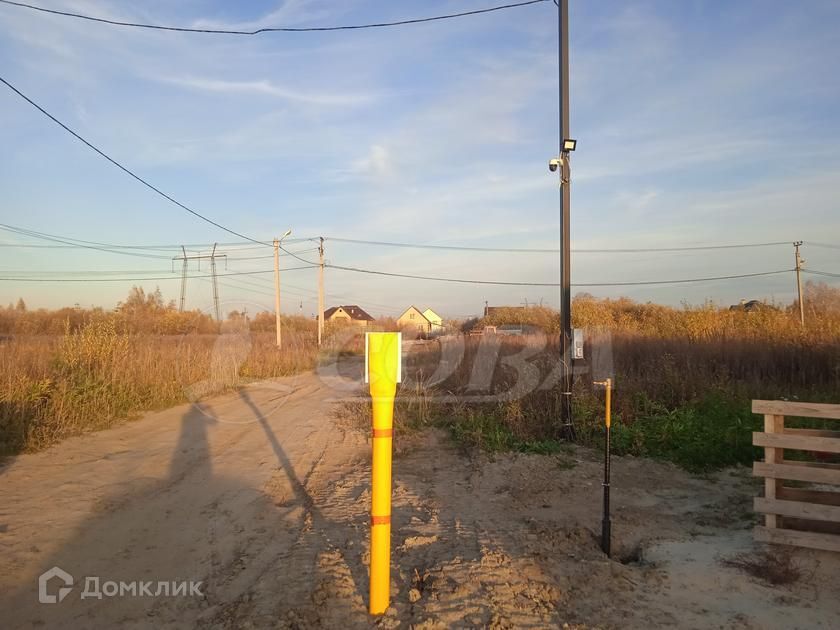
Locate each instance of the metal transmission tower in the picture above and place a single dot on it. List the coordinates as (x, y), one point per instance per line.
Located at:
(215, 283)
(183, 281)
(212, 256)
(278, 244)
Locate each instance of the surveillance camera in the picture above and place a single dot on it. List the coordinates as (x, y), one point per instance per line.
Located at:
(554, 163)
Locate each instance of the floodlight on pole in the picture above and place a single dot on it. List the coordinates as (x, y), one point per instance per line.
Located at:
(569, 144)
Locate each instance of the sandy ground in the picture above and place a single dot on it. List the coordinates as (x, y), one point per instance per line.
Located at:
(263, 496)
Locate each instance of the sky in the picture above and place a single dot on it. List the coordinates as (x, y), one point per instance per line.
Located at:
(697, 122)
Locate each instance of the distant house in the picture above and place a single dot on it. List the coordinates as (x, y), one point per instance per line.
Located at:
(752, 305)
(414, 318)
(435, 320)
(427, 322)
(490, 310)
(349, 314)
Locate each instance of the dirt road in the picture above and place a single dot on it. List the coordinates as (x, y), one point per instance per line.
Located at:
(263, 497)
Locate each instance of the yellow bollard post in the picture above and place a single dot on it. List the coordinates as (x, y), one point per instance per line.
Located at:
(383, 372)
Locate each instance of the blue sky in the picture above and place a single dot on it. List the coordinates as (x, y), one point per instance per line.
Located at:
(698, 122)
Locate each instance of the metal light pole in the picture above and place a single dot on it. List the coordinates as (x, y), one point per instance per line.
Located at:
(277, 244)
(565, 237)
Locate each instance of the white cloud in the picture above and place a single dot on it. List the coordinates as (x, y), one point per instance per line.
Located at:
(377, 162)
(288, 13)
(268, 88)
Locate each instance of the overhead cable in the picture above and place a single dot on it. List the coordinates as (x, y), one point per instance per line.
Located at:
(822, 273)
(554, 250)
(126, 169)
(271, 29)
(557, 284)
(133, 279)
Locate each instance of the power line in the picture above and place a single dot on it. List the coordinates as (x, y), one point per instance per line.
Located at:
(250, 288)
(682, 281)
(62, 273)
(248, 245)
(56, 239)
(309, 29)
(419, 277)
(132, 279)
(240, 288)
(677, 249)
(36, 234)
(310, 294)
(77, 246)
(444, 247)
(261, 288)
(69, 242)
(826, 245)
(556, 284)
(552, 250)
(821, 273)
(163, 248)
(125, 169)
(285, 253)
(410, 276)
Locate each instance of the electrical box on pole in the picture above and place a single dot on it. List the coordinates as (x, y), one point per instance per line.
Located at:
(577, 344)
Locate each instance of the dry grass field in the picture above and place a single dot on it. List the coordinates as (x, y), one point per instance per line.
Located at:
(90, 378)
(683, 377)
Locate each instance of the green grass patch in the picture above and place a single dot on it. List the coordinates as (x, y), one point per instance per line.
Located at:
(706, 435)
(700, 435)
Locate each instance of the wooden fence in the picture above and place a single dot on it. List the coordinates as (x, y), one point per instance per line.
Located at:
(804, 513)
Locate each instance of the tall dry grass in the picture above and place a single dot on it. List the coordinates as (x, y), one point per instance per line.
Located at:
(684, 378)
(700, 322)
(96, 374)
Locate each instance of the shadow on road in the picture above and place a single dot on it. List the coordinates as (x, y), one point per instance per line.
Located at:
(275, 539)
(199, 524)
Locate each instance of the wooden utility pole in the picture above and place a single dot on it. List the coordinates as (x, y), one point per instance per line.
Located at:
(320, 290)
(277, 291)
(799, 263)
